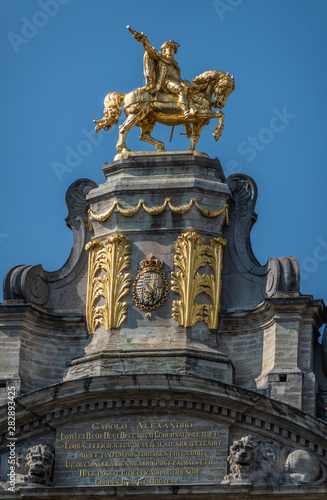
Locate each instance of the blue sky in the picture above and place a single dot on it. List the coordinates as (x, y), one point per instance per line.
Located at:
(59, 59)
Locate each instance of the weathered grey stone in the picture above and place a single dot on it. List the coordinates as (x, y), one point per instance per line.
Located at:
(81, 411)
(39, 464)
(303, 467)
(258, 461)
(161, 344)
(248, 355)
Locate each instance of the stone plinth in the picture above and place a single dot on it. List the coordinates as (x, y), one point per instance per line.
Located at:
(152, 200)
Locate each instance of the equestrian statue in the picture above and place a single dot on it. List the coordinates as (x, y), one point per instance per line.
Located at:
(167, 99)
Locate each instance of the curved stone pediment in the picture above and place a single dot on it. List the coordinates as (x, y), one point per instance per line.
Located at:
(164, 430)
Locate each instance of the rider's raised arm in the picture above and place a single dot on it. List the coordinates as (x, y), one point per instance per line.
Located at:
(140, 37)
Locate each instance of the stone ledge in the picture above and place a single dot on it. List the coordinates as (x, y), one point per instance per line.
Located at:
(206, 354)
(182, 492)
(123, 156)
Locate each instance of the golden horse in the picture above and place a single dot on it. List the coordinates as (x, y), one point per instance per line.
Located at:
(208, 90)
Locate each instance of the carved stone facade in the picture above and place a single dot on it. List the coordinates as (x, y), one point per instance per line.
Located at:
(265, 462)
(162, 358)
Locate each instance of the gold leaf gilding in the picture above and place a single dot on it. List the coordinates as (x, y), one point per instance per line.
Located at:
(128, 212)
(188, 283)
(107, 282)
(213, 289)
(191, 254)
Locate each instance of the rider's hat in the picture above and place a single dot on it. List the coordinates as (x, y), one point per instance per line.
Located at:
(171, 43)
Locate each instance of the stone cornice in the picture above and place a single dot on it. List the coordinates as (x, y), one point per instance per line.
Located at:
(265, 313)
(41, 412)
(38, 320)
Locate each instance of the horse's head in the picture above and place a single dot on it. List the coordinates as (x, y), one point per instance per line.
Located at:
(224, 87)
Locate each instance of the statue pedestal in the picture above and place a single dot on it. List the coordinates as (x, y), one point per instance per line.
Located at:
(149, 201)
(131, 154)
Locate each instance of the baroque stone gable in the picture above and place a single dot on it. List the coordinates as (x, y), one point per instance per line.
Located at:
(162, 359)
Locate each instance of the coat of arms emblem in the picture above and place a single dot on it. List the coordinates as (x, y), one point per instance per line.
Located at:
(150, 287)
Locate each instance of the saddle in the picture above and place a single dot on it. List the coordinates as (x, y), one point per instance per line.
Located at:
(145, 96)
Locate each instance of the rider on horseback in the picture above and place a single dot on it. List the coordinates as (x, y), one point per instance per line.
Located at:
(167, 99)
(162, 72)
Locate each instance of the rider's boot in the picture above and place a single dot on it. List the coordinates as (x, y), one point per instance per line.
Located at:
(184, 104)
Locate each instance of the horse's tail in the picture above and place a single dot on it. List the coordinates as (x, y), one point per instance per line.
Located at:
(112, 111)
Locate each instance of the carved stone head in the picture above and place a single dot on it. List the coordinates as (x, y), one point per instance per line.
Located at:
(242, 453)
(39, 463)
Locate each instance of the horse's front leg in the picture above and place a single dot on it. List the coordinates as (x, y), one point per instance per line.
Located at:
(220, 126)
(213, 113)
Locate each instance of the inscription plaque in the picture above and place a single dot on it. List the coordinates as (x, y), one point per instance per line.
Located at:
(141, 451)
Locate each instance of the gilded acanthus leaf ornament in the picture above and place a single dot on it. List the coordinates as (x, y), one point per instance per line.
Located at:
(213, 289)
(191, 254)
(188, 282)
(107, 282)
(168, 99)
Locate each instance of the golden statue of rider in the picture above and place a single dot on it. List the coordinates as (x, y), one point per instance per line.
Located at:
(167, 99)
(162, 72)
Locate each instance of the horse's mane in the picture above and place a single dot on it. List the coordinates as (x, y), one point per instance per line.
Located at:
(201, 81)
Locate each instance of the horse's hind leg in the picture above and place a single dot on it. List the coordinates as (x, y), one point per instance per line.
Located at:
(196, 132)
(136, 113)
(123, 129)
(146, 129)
